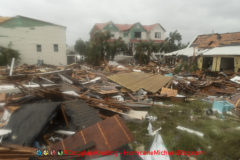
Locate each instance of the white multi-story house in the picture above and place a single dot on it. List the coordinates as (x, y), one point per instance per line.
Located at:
(132, 33)
(36, 40)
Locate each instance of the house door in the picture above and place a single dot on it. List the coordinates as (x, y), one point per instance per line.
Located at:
(227, 64)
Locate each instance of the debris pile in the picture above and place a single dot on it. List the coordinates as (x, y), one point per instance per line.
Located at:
(78, 107)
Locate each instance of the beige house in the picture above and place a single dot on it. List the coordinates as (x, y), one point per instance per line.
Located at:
(132, 33)
(219, 52)
(36, 40)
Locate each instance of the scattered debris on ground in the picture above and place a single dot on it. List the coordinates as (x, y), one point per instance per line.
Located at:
(80, 107)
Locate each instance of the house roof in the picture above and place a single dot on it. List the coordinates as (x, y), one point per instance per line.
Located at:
(100, 25)
(217, 40)
(188, 51)
(24, 21)
(108, 135)
(125, 27)
(148, 28)
(81, 115)
(221, 51)
(3, 19)
(136, 80)
(37, 115)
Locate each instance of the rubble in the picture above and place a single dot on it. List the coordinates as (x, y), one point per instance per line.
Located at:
(81, 108)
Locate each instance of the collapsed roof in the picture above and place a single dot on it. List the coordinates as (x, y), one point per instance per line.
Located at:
(37, 116)
(217, 40)
(137, 80)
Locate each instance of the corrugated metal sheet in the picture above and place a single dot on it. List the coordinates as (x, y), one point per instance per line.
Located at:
(136, 80)
(108, 135)
(223, 51)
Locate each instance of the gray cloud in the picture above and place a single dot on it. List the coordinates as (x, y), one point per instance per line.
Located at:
(189, 17)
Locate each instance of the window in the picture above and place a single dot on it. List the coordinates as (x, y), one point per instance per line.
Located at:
(39, 48)
(125, 34)
(55, 47)
(157, 34)
(40, 62)
(137, 34)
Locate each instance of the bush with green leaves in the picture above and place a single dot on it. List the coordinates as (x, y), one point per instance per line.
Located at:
(6, 55)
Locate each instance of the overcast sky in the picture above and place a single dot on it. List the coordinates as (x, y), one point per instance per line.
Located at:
(189, 17)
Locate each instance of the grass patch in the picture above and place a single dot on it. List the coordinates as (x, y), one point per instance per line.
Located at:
(220, 141)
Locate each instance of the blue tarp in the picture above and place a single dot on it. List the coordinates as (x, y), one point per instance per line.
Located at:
(168, 74)
(222, 106)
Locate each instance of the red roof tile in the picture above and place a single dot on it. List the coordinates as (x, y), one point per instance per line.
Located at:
(148, 28)
(124, 27)
(100, 25)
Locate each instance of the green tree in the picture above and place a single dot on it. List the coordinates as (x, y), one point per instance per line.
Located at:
(172, 43)
(144, 51)
(6, 55)
(100, 48)
(81, 47)
(115, 47)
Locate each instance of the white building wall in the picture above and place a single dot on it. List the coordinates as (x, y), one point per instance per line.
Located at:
(157, 29)
(116, 35)
(126, 39)
(144, 36)
(25, 39)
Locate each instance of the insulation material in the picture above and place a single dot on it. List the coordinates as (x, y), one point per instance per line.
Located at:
(133, 114)
(190, 131)
(149, 128)
(236, 79)
(157, 145)
(137, 80)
